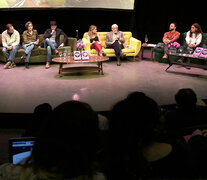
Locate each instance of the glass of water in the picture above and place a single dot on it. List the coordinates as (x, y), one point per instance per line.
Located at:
(191, 50)
(65, 55)
(91, 53)
(60, 54)
(96, 54)
(181, 49)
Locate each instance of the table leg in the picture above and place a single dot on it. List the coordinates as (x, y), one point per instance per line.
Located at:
(168, 67)
(99, 67)
(152, 53)
(61, 70)
(142, 52)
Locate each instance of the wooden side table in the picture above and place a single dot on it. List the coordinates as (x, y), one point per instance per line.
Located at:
(151, 46)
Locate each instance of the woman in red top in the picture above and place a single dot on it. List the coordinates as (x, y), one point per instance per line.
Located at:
(170, 37)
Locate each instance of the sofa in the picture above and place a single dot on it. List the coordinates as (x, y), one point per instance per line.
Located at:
(132, 45)
(159, 52)
(39, 55)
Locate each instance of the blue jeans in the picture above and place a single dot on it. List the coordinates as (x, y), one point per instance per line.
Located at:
(28, 50)
(50, 46)
(10, 54)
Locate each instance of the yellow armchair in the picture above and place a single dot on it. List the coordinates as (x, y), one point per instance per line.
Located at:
(132, 45)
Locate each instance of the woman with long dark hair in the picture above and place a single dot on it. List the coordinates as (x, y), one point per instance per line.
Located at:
(194, 36)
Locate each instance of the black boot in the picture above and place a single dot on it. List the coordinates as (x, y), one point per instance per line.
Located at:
(118, 63)
(26, 65)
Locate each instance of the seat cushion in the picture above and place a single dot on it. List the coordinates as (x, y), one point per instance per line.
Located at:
(127, 36)
(125, 50)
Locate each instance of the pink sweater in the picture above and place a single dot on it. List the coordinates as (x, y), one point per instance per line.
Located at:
(173, 37)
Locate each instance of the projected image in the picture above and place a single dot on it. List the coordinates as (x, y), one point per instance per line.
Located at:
(109, 4)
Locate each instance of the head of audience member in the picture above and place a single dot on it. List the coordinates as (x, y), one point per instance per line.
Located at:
(53, 25)
(10, 28)
(41, 115)
(29, 26)
(92, 30)
(195, 28)
(186, 98)
(114, 28)
(173, 26)
(132, 126)
(66, 144)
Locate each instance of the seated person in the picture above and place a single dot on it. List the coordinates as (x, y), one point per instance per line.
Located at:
(194, 36)
(52, 41)
(169, 37)
(41, 112)
(187, 113)
(115, 40)
(95, 40)
(30, 42)
(10, 41)
(65, 148)
(198, 149)
(135, 150)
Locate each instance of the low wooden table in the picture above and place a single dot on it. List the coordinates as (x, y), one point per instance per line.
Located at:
(70, 60)
(151, 46)
(188, 63)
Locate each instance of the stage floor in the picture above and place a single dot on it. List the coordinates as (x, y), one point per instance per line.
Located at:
(21, 90)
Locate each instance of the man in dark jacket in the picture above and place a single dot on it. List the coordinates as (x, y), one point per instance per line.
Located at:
(52, 41)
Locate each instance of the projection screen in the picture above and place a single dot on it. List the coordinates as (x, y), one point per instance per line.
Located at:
(107, 4)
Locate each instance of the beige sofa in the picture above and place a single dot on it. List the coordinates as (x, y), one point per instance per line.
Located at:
(39, 55)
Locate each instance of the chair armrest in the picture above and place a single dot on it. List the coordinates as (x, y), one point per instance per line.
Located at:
(72, 42)
(87, 43)
(136, 44)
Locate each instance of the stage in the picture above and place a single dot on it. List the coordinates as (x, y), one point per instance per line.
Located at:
(23, 89)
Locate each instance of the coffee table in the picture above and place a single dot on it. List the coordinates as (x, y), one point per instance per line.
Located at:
(189, 58)
(70, 60)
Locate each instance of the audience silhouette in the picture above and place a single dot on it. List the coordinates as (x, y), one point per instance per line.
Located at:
(134, 150)
(131, 142)
(65, 147)
(41, 114)
(187, 115)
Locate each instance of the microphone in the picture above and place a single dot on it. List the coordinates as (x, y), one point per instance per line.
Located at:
(77, 33)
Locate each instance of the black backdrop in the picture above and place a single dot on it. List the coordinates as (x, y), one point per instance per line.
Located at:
(149, 17)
